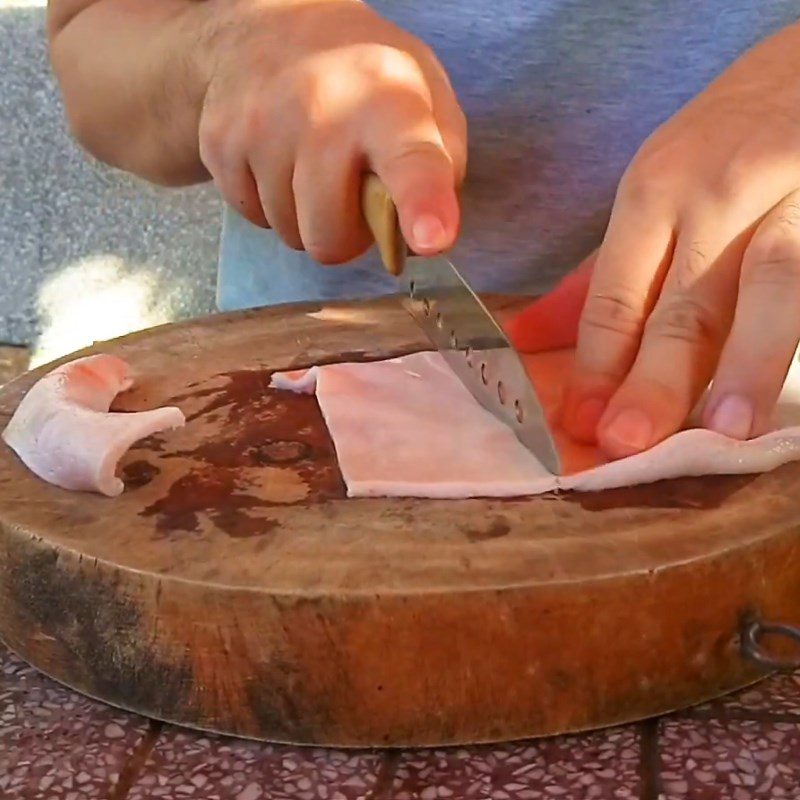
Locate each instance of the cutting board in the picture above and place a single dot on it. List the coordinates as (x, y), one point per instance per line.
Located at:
(233, 587)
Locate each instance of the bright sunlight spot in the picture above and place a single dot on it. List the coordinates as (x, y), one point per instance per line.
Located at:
(22, 4)
(96, 299)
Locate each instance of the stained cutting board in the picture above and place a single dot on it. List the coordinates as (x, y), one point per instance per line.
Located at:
(233, 587)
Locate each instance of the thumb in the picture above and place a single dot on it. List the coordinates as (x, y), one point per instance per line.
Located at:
(422, 185)
(421, 178)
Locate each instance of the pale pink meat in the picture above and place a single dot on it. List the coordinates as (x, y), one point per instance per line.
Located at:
(63, 431)
(407, 427)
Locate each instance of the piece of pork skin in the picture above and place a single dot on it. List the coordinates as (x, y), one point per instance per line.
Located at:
(64, 432)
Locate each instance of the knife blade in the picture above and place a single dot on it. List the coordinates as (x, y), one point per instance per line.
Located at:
(460, 326)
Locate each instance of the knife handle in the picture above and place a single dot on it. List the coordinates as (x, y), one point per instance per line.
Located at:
(381, 216)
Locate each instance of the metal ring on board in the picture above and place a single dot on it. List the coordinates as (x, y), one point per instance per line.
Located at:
(753, 629)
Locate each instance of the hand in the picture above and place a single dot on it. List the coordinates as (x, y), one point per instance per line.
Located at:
(303, 98)
(698, 276)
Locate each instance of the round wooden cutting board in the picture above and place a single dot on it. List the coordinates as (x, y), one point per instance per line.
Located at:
(234, 588)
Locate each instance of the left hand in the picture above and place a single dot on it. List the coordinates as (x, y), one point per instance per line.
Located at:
(698, 277)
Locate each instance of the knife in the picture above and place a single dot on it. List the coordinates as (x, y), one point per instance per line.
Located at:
(461, 328)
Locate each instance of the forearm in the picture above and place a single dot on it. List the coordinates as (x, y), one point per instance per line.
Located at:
(132, 81)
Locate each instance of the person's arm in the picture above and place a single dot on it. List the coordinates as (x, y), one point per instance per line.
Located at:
(284, 103)
(133, 80)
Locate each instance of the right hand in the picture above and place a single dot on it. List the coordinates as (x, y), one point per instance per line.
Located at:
(304, 98)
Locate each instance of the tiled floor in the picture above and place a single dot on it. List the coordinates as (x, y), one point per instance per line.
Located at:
(778, 698)
(729, 760)
(600, 765)
(56, 745)
(184, 765)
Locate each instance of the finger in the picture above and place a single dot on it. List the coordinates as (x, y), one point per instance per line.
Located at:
(682, 339)
(233, 177)
(551, 321)
(766, 328)
(241, 192)
(326, 189)
(451, 121)
(625, 282)
(406, 150)
(273, 169)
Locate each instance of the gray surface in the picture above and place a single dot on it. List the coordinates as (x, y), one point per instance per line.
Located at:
(85, 252)
(559, 95)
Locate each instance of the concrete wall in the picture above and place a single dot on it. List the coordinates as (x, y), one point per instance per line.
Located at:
(86, 253)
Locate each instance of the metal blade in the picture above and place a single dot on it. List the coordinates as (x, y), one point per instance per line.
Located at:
(477, 350)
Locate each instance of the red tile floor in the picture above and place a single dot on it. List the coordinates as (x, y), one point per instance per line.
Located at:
(57, 745)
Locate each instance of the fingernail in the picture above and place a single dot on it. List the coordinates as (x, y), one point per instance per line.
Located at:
(589, 412)
(584, 419)
(733, 417)
(630, 431)
(429, 233)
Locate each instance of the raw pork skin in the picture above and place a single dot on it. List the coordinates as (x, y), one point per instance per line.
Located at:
(64, 432)
(408, 427)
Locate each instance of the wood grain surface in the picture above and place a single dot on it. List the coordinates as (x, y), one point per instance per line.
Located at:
(233, 587)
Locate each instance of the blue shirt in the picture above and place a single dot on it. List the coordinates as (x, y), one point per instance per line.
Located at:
(559, 95)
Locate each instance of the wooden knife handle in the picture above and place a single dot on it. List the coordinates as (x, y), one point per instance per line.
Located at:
(381, 216)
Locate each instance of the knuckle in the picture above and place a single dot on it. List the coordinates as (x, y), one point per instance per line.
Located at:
(691, 264)
(320, 135)
(298, 98)
(789, 217)
(389, 64)
(212, 139)
(614, 311)
(774, 257)
(684, 320)
(730, 182)
(727, 184)
(395, 78)
(256, 131)
(642, 188)
(648, 179)
(429, 161)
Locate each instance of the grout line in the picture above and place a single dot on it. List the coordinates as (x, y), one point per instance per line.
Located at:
(650, 762)
(385, 778)
(130, 771)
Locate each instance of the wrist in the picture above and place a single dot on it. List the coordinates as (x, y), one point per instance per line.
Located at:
(262, 34)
